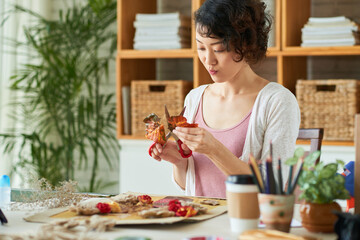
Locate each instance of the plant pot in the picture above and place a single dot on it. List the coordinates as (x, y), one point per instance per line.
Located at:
(319, 217)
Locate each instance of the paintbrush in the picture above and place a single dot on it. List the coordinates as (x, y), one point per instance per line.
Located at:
(257, 172)
(270, 180)
(256, 180)
(280, 181)
(299, 167)
(290, 179)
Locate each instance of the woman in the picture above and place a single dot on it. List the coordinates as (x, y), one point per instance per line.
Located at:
(241, 112)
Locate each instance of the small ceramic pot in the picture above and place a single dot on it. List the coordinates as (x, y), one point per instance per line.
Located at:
(319, 217)
(276, 211)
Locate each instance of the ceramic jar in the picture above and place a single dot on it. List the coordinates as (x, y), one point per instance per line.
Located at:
(276, 211)
(319, 217)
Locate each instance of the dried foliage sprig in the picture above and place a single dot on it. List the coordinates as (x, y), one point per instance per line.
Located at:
(72, 229)
(44, 196)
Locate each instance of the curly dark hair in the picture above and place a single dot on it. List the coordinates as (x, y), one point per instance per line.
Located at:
(242, 24)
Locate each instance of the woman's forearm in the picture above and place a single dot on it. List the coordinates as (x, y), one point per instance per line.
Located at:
(179, 171)
(226, 161)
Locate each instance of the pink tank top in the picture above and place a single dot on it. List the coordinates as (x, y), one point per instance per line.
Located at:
(209, 180)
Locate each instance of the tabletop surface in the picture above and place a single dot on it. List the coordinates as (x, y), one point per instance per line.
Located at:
(218, 226)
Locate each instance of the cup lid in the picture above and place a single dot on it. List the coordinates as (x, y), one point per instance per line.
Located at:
(4, 181)
(240, 179)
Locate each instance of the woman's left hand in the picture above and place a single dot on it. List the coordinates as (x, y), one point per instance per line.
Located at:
(197, 139)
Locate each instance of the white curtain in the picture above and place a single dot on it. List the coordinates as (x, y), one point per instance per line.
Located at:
(10, 60)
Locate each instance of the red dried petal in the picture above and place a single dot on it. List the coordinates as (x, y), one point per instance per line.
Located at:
(175, 201)
(145, 199)
(190, 211)
(181, 212)
(186, 211)
(174, 205)
(103, 207)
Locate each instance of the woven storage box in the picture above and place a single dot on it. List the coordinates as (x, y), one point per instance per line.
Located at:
(329, 104)
(151, 96)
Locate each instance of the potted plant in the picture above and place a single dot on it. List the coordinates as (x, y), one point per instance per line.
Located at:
(320, 186)
(69, 116)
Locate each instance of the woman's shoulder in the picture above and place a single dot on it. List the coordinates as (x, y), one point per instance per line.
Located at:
(275, 91)
(198, 91)
(195, 93)
(192, 101)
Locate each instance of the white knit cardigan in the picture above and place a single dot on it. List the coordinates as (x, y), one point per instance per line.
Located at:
(275, 117)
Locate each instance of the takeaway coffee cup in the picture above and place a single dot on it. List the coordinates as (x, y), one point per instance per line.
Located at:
(242, 203)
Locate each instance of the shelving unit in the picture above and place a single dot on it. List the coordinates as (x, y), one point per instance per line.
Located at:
(291, 59)
(294, 57)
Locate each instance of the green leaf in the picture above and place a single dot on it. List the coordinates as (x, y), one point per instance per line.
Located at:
(291, 161)
(328, 170)
(299, 152)
(311, 159)
(340, 163)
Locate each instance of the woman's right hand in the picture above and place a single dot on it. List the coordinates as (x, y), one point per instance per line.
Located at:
(168, 153)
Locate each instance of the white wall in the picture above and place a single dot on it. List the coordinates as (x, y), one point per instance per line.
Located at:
(332, 153)
(141, 173)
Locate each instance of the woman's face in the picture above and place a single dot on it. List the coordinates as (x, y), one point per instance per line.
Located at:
(217, 60)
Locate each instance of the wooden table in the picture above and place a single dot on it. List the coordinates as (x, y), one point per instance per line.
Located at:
(218, 226)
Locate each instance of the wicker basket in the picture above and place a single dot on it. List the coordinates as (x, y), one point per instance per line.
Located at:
(329, 104)
(151, 96)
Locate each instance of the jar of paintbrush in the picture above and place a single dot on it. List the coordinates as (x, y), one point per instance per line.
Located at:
(276, 202)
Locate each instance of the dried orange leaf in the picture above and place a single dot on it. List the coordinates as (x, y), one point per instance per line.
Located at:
(179, 121)
(157, 134)
(154, 130)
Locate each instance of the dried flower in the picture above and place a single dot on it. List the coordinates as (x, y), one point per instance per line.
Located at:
(115, 207)
(186, 211)
(181, 211)
(71, 229)
(174, 205)
(103, 207)
(44, 196)
(145, 199)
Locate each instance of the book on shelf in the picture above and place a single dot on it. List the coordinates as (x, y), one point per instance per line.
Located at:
(322, 37)
(335, 24)
(146, 17)
(330, 24)
(180, 22)
(340, 44)
(156, 37)
(328, 19)
(325, 32)
(164, 31)
(126, 105)
(332, 31)
(351, 39)
(155, 45)
(329, 43)
(330, 28)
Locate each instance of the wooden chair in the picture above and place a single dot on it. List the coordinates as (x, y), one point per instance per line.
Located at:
(315, 135)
